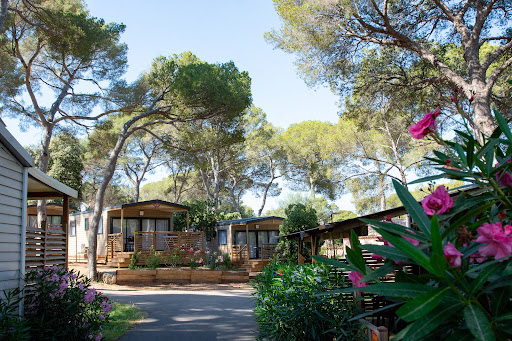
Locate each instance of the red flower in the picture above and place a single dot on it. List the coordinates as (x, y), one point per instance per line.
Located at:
(280, 273)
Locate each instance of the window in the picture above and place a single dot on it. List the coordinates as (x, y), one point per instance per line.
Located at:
(100, 226)
(86, 224)
(223, 237)
(72, 228)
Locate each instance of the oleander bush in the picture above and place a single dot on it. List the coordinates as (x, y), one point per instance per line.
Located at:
(462, 245)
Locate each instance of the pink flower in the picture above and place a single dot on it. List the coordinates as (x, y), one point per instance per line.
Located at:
(476, 258)
(89, 296)
(438, 202)
(452, 254)
(498, 240)
(99, 337)
(355, 277)
(280, 273)
(505, 179)
(425, 126)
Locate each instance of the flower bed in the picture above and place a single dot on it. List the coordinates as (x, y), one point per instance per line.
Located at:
(180, 275)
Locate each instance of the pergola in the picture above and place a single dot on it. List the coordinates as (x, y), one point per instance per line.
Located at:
(339, 230)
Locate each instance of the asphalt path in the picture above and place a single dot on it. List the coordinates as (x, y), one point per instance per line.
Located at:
(190, 315)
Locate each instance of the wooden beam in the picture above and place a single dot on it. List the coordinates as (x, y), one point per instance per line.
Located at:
(188, 217)
(65, 223)
(44, 195)
(171, 223)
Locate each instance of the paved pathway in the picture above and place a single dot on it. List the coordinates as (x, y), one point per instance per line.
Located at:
(190, 315)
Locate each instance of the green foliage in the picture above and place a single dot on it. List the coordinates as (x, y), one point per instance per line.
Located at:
(201, 215)
(12, 325)
(298, 218)
(134, 260)
(309, 167)
(61, 305)
(153, 259)
(287, 306)
(464, 285)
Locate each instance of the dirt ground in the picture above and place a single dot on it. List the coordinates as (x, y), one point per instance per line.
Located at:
(82, 268)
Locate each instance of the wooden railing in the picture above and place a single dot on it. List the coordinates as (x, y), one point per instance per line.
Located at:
(115, 243)
(164, 241)
(267, 251)
(239, 253)
(45, 246)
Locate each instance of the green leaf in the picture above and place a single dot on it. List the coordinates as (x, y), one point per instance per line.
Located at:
(467, 217)
(371, 312)
(499, 301)
(502, 123)
(478, 324)
(504, 317)
(482, 278)
(431, 321)
(437, 246)
(439, 263)
(387, 252)
(334, 263)
(380, 272)
(503, 282)
(408, 249)
(427, 178)
(409, 290)
(422, 305)
(460, 335)
(413, 208)
(356, 259)
(396, 229)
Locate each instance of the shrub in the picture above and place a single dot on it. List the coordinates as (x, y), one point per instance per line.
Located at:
(134, 260)
(212, 259)
(12, 325)
(60, 305)
(173, 257)
(462, 246)
(153, 260)
(287, 306)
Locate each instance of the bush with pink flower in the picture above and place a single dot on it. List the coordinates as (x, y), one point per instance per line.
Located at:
(61, 305)
(460, 244)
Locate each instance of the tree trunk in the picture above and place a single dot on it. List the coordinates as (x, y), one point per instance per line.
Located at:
(267, 187)
(44, 160)
(483, 119)
(3, 14)
(312, 188)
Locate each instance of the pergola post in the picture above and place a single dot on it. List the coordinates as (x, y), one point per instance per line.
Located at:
(188, 216)
(171, 225)
(65, 223)
(122, 234)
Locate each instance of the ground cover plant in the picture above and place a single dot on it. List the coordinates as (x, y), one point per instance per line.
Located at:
(287, 306)
(461, 245)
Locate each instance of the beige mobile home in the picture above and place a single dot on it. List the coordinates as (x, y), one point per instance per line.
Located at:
(124, 229)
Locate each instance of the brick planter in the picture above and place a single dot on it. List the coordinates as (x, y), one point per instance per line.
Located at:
(180, 275)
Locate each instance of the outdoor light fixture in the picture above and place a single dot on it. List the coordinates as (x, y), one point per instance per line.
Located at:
(141, 213)
(257, 226)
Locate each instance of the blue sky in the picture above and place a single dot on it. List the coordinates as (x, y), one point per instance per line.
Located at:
(217, 31)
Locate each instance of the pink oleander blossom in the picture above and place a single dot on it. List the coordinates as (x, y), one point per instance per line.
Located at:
(452, 255)
(477, 258)
(505, 179)
(438, 202)
(498, 240)
(280, 273)
(425, 126)
(355, 277)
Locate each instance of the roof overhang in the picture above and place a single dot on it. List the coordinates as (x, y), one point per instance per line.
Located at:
(42, 186)
(153, 205)
(15, 147)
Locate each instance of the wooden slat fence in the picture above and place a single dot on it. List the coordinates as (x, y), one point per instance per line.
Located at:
(267, 251)
(239, 253)
(115, 243)
(165, 241)
(45, 246)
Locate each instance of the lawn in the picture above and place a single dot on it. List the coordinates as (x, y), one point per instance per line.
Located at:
(122, 319)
